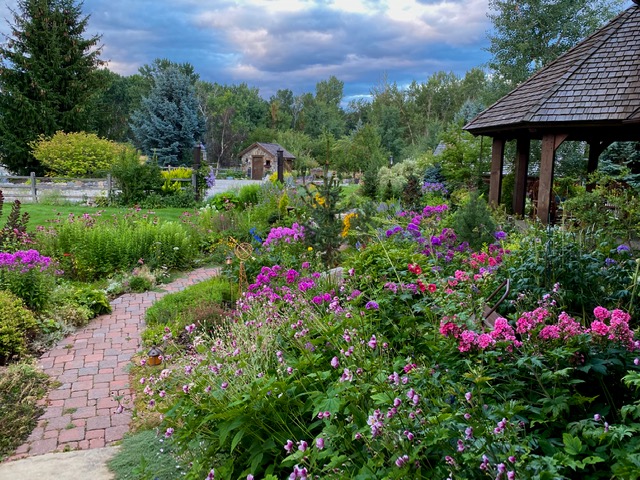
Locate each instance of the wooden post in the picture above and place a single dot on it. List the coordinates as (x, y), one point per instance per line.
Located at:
(550, 143)
(497, 160)
(523, 147)
(34, 190)
(194, 184)
(109, 186)
(280, 154)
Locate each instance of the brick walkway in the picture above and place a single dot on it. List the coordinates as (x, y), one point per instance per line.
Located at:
(91, 366)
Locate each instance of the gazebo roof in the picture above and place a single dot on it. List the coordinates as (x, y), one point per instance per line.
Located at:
(595, 84)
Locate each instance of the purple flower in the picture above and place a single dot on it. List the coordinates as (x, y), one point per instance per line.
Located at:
(224, 385)
(303, 445)
(211, 475)
(169, 432)
(289, 446)
(623, 248)
(190, 328)
(500, 235)
(401, 461)
(319, 443)
(335, 363)
(372, 343)
(371, 305)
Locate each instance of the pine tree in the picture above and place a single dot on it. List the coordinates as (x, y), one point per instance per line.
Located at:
(47, 76)
(168, 123)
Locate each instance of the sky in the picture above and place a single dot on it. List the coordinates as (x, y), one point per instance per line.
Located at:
(278, 44)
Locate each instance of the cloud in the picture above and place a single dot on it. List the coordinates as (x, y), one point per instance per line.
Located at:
(274, 44)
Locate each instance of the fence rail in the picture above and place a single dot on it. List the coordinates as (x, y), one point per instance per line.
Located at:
(34, 189)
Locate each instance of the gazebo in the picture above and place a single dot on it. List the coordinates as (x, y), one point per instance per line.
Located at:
(590, 94)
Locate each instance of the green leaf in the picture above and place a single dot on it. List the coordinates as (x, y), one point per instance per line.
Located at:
(572, 445)
(236, 439)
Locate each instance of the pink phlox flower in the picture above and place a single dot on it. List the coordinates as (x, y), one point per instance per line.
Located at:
(502, 330)
(601, 313)
(549, 332)
(484, 340)
(467, 339)
(599, 328)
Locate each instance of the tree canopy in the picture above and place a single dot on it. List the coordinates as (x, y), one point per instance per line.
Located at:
(47, 77)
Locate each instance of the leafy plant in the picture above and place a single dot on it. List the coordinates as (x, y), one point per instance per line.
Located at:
(76, 154)
(21, 387)
(473, 222)
(135, 178)
(17, 325)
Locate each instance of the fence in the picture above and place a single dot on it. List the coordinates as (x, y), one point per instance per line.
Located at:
(35, 189)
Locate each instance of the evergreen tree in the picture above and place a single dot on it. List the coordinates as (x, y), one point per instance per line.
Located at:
(168, 123)
(47, 76)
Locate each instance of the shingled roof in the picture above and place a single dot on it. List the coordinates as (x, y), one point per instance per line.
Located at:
(596, 83)
(271, 148)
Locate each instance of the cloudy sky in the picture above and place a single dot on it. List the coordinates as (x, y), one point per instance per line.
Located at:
(272, 44)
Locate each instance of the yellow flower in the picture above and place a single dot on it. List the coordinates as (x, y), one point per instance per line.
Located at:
(310, 249)
(347, 223)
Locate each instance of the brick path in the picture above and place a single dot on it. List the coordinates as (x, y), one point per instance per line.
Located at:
(91, 366)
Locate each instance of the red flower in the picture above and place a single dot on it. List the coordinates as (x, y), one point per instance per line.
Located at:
(432, 287)
(421, 286)
(415, 268)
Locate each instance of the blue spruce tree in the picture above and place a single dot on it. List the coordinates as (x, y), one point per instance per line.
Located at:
(168, 123)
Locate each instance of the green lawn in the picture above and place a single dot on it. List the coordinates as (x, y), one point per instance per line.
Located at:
(40, 214)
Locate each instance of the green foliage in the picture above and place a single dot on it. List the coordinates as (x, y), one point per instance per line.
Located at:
(556, 27)
(370, 183)
(587, 265)
(135, 178)
(89, 250)
(145, 455)
(21, 387)
(17, 325)
(77, 154)
(13, 235)
(168, 123)
(204, 305)
(47, 79)
(612, 205)
(324, 228)
(473, 222)
(248, 195)
(412, 193)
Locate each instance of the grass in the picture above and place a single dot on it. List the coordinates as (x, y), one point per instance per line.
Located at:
(145, 455)
(41, 214)
(21, 386)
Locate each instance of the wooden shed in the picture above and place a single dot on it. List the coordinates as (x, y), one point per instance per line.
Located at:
(590, 94)
(261, 159)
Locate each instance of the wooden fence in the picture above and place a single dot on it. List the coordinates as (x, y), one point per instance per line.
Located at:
(35, 189)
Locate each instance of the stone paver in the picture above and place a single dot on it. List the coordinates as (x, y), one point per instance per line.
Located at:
(90, 408)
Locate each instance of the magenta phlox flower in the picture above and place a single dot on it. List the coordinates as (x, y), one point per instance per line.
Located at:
(484, 340)
(601, 313)
(549, 332)
(467, 339)
(599, 328)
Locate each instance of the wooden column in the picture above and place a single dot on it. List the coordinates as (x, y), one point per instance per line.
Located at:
(497, 159)
(523, 147)
(550, 143)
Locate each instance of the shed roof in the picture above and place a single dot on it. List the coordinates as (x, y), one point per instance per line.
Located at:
(597, 82)
(270, 148)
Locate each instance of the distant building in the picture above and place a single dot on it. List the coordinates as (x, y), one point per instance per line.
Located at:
(261, 159)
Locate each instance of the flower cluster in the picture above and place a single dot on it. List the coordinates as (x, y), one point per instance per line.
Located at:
(284, 235)
(434, 187)
(541, 325)
(24, 261)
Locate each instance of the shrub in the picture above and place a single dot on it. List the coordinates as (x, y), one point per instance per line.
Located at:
(135, 178)
(17, 325)
(76, 154)
(248, 195)
(28, 275)
(473, 222)
(203, 304)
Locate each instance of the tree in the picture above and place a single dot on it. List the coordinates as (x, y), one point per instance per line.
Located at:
(531, 33)
(169, 123)
(47, 76)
